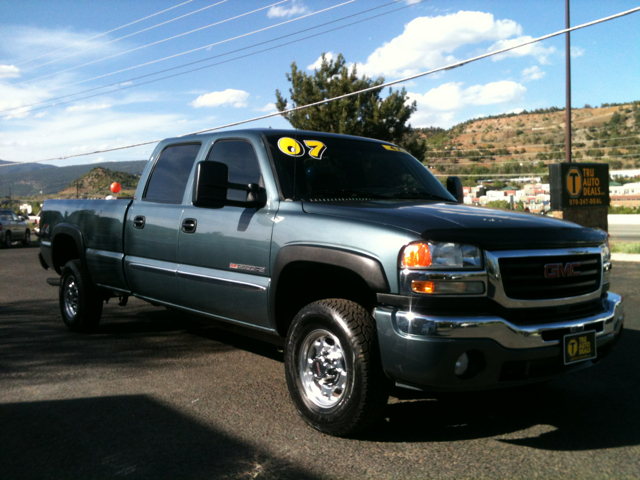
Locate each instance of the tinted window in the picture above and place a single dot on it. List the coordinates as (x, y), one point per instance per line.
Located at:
(321, 167)
(243, 165)
(170, 174)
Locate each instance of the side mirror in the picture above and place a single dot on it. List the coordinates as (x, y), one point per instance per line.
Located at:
(454, 187)
(212, 184)
(210, 187)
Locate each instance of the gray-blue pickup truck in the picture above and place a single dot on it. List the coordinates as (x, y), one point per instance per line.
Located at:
(349, 253)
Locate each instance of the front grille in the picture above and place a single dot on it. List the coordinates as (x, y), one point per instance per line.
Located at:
(523, 278)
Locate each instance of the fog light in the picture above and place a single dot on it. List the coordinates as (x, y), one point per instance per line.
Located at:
(462, 364)
(447, 288)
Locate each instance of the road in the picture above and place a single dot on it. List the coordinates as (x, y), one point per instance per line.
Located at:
(156, 395)
(624, 233)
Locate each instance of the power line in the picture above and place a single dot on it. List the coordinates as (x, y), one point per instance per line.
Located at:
(126, 36)
(530, 153)
(208, 58)
(149, 45)
(359, 92)
(539, 145)
(520, 162)
(102, 34)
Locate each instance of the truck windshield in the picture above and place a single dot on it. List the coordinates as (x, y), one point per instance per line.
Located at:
(318, 167)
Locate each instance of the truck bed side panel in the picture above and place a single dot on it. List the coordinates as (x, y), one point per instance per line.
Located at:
(102, 225)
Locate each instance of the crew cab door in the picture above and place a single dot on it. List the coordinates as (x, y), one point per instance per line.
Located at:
(224, 252)
(153, 223)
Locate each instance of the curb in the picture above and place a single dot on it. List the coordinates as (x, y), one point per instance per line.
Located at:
(625, 257)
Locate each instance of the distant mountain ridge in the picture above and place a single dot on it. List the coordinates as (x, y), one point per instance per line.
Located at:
(50, 180)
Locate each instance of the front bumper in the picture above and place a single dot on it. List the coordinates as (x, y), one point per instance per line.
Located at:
(504, 353)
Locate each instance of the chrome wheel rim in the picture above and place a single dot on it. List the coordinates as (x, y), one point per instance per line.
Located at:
(71, 297)
(322, 368)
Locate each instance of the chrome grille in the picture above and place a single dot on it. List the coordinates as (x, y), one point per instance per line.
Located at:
(524, 278)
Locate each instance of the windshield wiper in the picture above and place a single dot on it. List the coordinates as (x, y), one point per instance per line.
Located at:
(348, 193)
(418, 195)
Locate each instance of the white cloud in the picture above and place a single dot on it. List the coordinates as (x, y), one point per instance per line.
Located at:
(438, 105)
(516, 110)
(412, 2)
(269, 107)
(231, 97)
(428, 42)
(535, 49)
(296, 8)
(88, 107)
(24, 44)
(532, 73)
(318, 63)
(576, 51)
(9, 71)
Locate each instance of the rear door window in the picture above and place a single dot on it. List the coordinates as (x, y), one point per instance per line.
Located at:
(171, 173)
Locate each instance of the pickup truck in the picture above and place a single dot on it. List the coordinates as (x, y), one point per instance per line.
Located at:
(351, 255)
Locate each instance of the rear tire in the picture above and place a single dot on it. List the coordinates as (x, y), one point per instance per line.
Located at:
(333, 368)
(26, 241)
(7, 240)
(80, 302)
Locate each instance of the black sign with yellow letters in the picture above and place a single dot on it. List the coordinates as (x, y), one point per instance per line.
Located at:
(579, 185)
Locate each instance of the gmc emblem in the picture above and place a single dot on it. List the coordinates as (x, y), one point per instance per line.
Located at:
(558, 270)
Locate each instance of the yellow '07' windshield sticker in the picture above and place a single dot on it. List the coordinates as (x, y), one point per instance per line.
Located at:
(394, 148)
(294, 148)
(316, 148)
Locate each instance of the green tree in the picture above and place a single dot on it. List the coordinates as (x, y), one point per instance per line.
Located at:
(367, 114)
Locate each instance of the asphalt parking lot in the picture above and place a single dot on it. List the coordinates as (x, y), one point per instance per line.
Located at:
(155, 394)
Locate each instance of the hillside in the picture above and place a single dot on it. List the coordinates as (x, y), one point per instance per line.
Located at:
(7, 167)
(96, 183)
(512, 144)
(52, 180)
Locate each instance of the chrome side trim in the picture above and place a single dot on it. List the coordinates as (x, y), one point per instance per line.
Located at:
(221, 281)
(119, 290)
(505, 333)
(205, 314)
(45, 243)
(105, 253)
(498, 294)
(151, 268)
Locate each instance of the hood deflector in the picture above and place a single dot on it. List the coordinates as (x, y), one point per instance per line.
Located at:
(519, 239)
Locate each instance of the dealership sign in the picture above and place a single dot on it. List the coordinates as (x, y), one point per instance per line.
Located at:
(579, 185)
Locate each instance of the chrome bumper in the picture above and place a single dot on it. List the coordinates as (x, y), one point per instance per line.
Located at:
(500, 330)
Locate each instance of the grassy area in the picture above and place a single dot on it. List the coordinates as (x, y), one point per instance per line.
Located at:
(625, 248)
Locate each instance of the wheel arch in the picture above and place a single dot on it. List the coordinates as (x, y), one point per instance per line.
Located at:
(303, 274)
(67, 243)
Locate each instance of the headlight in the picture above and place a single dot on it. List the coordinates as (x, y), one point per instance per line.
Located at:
(606, 252)
(440, 255)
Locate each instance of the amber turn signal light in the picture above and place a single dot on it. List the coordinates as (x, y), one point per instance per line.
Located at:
(416, 255)
(422, 286)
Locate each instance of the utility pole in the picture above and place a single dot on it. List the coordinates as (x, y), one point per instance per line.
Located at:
(567, 140)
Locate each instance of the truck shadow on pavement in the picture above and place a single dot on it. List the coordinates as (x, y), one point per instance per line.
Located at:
(115, 436)
(593, 409)
(34, 340)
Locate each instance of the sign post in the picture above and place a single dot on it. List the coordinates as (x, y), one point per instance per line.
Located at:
(580, 193)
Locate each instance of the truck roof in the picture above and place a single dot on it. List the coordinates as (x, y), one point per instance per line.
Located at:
(270, 131)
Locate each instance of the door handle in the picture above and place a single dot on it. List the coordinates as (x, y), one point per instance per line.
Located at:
(138, 222)
(189, 225)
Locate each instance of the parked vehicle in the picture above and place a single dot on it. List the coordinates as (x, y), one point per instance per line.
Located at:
(13, 228)
(353, 256)
(36, 225)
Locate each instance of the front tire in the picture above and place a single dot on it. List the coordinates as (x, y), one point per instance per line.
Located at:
(333, 368)
(26, 241)
(80, 302)
(7, 240)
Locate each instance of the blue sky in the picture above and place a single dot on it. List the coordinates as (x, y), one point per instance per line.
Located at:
(50, 49)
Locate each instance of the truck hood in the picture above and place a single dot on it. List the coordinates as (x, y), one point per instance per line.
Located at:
(487, 228)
